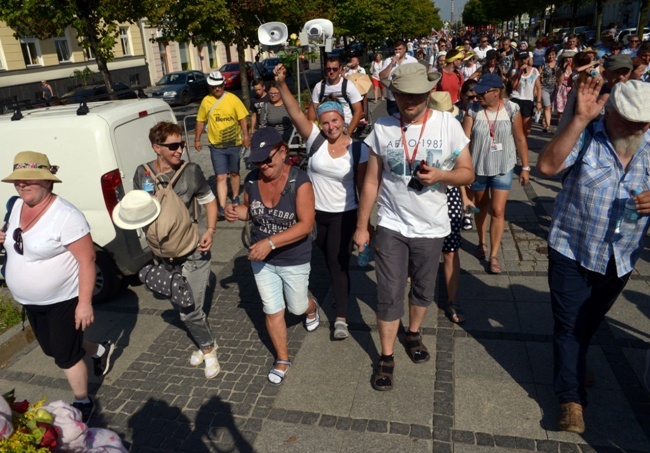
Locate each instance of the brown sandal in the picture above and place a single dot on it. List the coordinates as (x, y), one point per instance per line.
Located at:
(415, 349)
(382, 380)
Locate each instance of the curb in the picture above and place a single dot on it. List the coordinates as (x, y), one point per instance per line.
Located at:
(13, 341)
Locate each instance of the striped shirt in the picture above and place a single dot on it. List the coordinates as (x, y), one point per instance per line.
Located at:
(486, 162)
(591, 203)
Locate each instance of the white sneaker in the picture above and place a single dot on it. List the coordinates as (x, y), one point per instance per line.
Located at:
(212, 366)
(197, 358)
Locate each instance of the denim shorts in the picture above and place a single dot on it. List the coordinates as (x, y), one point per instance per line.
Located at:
(497, 182)
(225, 160)
(272, 281)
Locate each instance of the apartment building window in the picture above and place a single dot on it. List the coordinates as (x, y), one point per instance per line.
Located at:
(185, 56)
(3, 65)
(126, 41)
(211, 56)
(31, 52)
(62, 49)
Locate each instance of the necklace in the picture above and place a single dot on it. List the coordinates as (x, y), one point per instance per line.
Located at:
(50, 198)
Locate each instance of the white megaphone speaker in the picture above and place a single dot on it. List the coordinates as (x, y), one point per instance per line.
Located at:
(319, 32)
(272, 35)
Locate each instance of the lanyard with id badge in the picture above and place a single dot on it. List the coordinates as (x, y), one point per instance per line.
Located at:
(494, 146)
(414, 182)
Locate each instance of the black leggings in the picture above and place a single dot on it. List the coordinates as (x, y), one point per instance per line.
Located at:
(334, 237)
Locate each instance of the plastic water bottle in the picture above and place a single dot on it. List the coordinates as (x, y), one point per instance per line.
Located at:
(471, 210)
(364, 256)
(630, 217)
(148, 184)
(447, 165)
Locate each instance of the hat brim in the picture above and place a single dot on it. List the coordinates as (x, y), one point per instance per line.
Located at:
(216, 83)
(420, 88)
(31, 174)
(130, 225)
(482, 89)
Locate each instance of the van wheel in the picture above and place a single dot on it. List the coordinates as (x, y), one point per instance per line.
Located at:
(185, 98)
(108, 280)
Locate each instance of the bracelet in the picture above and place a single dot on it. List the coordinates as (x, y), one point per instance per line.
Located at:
(211, 228)
(271, 243)
(525, 168)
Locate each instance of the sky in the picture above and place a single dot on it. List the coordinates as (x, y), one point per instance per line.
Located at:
(445, 8)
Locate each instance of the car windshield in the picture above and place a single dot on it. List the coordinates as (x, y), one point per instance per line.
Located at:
(230, 67)
(173, 79)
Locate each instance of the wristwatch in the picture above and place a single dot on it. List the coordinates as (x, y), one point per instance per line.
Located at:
(525, 168)
(271, 243)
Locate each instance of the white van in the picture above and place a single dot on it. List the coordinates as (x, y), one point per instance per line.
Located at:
(97, 154)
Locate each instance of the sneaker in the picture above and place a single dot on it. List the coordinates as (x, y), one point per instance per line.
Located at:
(221, 214)
(235, 200)
(87, 409)
(197, 358)
(212, 366)
(571, 418)
(467, 222)
(340, 330)
(103, 363)
(312, 324)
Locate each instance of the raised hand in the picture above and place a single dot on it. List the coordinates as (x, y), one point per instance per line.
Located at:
(588, 104)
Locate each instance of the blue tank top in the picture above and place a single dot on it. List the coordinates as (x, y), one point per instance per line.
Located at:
(269, 221)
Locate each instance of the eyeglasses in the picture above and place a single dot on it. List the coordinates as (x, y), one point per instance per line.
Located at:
(471, 97)
(484, 41)
(173, 146)
(18, 241)
(266, 161)
(328, 69)
(274, 93)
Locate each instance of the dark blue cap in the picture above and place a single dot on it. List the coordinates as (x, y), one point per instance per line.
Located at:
(263, 142)
(488, 82)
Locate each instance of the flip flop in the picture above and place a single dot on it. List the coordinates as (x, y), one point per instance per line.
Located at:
(481, 251)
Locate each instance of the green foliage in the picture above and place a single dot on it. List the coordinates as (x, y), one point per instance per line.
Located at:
(82, 75)
(10, 314)
(474, 14)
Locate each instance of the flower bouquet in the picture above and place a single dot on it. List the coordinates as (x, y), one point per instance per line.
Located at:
(36, 428)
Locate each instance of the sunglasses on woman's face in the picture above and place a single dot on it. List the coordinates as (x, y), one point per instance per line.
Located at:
(18, 241)
(266, 161)
(471, 98)
(173, 146)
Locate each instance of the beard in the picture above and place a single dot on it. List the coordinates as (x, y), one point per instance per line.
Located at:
(628, 142)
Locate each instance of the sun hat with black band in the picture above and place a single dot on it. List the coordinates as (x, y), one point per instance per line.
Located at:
(488, 82)
(30, 165)
(263, 142)
(412, 79)
(523, 54)
(136, 210)
(631, 99)
(216, 79)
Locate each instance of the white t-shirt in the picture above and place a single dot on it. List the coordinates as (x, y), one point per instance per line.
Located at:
(46, 272)
(481, 53)
(414, 214)
(337, 90)
(358, 70)
(467, 71)
(388, 62)
(333, 179)
(525, 90)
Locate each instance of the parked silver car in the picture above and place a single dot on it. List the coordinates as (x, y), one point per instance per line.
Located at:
(181, 87)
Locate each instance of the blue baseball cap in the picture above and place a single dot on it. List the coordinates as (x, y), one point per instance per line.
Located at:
(488, 82)
(262, 143)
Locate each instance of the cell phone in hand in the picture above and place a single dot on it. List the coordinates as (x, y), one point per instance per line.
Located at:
(415, 184)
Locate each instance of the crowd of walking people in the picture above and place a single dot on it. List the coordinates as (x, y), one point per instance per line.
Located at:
(453, 142)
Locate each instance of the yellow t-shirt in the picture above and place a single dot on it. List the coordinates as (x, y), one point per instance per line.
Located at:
(224, 129)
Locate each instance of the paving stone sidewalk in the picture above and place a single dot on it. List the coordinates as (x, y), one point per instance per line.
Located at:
(487, 388)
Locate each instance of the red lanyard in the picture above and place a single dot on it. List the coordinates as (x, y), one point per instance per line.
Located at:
(411, 159)
(492, 126)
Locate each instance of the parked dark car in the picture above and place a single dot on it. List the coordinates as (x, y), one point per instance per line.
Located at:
(230, 71)
(269, 64)
(98, 92)
(181, 87)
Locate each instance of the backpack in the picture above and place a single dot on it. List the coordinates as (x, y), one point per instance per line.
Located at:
(344, 91)
(174, 234)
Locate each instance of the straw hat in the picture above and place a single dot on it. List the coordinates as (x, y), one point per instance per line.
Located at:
(30, 165)
(136, 210)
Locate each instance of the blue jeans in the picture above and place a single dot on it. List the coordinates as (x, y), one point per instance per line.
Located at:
(279, 283)
(580, 299)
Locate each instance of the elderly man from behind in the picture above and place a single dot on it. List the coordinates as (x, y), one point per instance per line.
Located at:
(413, 216)
(592, 250)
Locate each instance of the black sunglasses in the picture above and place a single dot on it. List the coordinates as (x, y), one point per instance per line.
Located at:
(18, 241)
(471, 97)
(173, 146)
(266, 161)
(331, 69)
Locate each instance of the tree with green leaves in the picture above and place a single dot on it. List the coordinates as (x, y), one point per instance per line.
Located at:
(474, 14)
(96, 23)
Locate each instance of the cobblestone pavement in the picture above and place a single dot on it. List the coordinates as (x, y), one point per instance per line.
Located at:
(488, 389)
